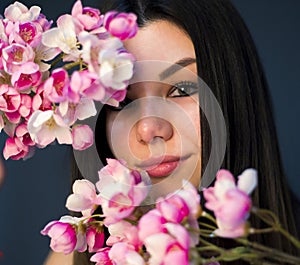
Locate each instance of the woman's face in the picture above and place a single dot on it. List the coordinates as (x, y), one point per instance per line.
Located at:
(157, 127)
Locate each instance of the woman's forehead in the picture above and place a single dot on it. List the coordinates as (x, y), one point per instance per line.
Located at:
(161, 40)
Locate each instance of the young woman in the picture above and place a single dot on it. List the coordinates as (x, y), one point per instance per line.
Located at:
(210, 40)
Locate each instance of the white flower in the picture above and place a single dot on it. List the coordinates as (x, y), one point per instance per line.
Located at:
(44, 54)
(64, 37)
(19, 12)
(71, 112)
(116, 68)
(84, 197)
(45, 126)
(92, 46)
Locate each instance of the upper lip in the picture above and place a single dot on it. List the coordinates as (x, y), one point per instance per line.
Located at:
(155, 161)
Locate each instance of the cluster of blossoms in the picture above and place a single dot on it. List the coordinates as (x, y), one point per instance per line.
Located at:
(40, 102)
(167, 233)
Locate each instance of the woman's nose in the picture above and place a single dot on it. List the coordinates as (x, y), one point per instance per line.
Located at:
(149, 128)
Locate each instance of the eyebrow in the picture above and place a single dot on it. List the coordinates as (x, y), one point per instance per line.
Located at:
(176, 67)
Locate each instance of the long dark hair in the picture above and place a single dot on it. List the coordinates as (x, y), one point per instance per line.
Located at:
(228, 62)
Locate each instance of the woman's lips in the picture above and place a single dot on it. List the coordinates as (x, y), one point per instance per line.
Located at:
(161, 166)
(163, 169)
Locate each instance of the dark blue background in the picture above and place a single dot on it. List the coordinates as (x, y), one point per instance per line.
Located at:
(35, 191)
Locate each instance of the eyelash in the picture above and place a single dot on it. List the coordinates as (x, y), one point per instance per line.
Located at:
(184, 88)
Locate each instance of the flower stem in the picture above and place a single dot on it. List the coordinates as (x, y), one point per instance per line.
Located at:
(270, 218)
(57, 59)
(267, 216)
(71, 65)
(286, 234)
(274, 254)
(209, 217)
(261, 231)
(207, 226)
(92, 216)
(96, 222)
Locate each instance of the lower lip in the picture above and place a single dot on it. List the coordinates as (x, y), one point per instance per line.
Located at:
(163, 169)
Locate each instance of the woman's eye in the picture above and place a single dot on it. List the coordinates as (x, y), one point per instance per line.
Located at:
(122, 105)
(183, 89)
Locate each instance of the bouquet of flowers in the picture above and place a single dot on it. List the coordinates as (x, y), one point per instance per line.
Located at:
(39, 101)
(172, 231)
(49, 80)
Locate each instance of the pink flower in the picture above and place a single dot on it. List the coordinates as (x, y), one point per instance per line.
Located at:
(43, 22)
(71, 112)
(123, 231)
(118, 207)
(94, 239)
(25, 106)
(191, 197)
(63, 235)
(83, 86)
(173, 208)
(182, 206)
(102, 257)
(13, 104)
(124, 254)
(15, 55)
(113, 97)
(56, 86)
(169, 248)
(121, 25)
(150, 224)
(19, 146)
(10, 99)
(13, 117)
(26, 33)
(27, 76)
(121, 190)
(72, 93)
(23, 135)
(15, 149)
(88, 17)
(82, 137)
(40, 102)
(230, 203)
(19, 12)
(46, 126)
(66, 235)
(85, 83)
(84, 197)
(9, 127)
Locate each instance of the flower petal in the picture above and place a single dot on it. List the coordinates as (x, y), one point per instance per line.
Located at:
(84, 187)
(247, 181)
